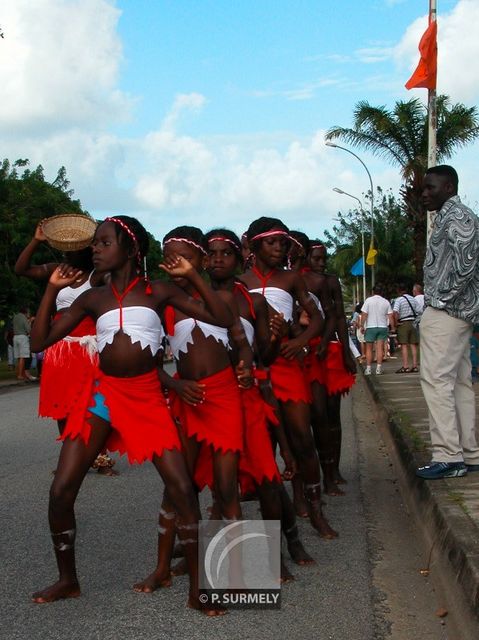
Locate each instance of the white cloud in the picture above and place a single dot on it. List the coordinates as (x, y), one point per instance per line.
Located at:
(458, 50)
(59, 64)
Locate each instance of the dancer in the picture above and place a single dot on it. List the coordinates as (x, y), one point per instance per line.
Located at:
(206, 399)
(257, 467)
(71, 364)
(128, 412)
(269, 241)
(340, 364)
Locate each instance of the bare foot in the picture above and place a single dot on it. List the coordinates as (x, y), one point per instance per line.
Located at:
(301, 507)
(107, 471)
(286, 575)
(58, 591)
(180, 568)
(154, 581)
(298, 553)
(338, 478)
(331, 488)
(194, 602)
(322, 526)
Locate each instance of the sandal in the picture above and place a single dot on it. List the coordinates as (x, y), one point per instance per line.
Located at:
(403, 370)
(414, 370)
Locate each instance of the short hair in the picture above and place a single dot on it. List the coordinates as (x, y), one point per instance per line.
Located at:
(262, 225)
(445, 171)
(378, 289)
(193, 234)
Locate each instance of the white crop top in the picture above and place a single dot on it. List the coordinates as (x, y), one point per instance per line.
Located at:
(249, 330)
(183, 335)
(141, 324)
(67, 296)
(279, 299)
(316, 301)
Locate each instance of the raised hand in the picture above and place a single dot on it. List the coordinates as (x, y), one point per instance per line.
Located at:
(39, 234)
(64, 276)
(177, 267)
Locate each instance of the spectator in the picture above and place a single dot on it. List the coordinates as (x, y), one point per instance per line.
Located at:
(405, 313)
(376, 316)
(9, 340)
(21, 344)
(356, 324)
(451, 288)
(418, 297)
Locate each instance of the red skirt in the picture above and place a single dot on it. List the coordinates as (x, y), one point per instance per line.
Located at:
(315, 369)
(338, 378)
(140, 420)
(69, 368)
(218, 421)
(289, 381)
(256, 462)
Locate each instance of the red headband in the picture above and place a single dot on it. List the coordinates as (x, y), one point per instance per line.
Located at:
(124, 226)
(194, 244)
(266, 234)
(223, 239)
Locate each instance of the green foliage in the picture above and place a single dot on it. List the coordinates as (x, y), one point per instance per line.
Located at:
(392, 241)
(25, 199)
(401, 137)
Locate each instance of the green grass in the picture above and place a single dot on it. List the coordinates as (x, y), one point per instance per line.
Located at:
(404, 422)
(458, 498)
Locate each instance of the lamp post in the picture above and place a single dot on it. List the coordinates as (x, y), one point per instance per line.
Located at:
(337, 146)
(345, 193)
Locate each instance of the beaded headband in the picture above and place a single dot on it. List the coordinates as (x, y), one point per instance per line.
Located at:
(223, 239)
(297, 242)
(316, 246)
(266, 234)
(194, 244)
(124, 226)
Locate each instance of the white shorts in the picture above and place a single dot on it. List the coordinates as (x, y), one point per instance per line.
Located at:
(21, 347)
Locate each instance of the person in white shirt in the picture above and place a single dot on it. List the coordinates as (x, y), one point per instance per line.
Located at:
(376, 316)
(418, 297)
(405, 314)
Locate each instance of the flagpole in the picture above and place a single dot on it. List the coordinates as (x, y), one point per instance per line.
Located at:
(432, 125)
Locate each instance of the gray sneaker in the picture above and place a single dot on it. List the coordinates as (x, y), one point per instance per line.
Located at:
(379, 370)
(367, 371)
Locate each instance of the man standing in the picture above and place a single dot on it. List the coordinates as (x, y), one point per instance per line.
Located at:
(376, 316)
(405, 312)
(451, 290)
(418, 297)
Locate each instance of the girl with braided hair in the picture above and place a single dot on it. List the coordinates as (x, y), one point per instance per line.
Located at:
(127, 411)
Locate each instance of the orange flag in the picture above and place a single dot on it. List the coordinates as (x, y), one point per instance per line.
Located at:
(426, 71)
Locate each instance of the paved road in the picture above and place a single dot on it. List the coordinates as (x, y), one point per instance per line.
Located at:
(344, 596)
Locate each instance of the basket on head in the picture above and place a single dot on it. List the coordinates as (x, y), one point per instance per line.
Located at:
(69, 231)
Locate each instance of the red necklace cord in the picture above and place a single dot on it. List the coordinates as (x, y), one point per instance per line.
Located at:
(240, 287)
(262, 278)
(120, 297)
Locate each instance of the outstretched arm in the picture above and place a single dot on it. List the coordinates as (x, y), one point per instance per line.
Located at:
(216, 312)
(23, 266)
(43, 335)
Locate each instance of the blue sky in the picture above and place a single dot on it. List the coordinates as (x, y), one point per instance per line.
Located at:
(183, 112)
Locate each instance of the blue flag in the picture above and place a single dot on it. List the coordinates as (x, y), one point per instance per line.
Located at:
(357, 268)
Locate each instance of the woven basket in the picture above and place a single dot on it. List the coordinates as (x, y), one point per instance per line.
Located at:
(69, 231)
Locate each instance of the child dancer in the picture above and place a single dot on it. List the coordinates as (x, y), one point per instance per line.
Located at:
(269, 242)
(128, 412)
(340, 364)
(71, 364)
(206, 401)
(257, 466)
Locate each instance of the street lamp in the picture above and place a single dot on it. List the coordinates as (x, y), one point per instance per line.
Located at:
(345, 193)
(337, 146)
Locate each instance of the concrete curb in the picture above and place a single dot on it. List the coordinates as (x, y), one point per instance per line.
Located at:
(443, 508)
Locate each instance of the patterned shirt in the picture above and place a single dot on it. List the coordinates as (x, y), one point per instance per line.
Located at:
(451, 268)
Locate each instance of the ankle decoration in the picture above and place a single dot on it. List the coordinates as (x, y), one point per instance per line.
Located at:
(168, 515)
(188, 527)
(60, 545)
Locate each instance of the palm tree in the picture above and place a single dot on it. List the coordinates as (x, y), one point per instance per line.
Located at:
(400, 136)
